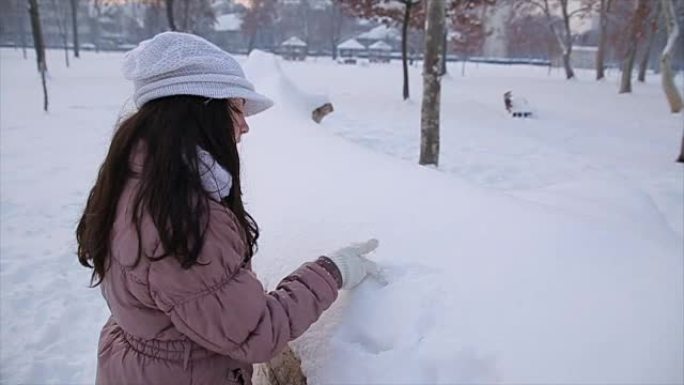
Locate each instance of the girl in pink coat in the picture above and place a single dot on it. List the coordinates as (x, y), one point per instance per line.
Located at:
(168, 237)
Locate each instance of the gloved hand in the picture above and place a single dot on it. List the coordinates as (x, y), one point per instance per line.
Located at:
(353, 264)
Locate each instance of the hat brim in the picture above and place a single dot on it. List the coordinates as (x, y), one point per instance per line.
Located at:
(256, 103)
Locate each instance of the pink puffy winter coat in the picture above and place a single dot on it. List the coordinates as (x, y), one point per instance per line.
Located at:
(204, 325)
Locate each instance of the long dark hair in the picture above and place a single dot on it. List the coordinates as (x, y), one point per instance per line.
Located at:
(170, 185)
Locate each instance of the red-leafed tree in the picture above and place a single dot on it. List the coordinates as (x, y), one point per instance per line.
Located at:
(466, 23)
(408, 13)
(528, 37)
(464, 16)
(560, 28)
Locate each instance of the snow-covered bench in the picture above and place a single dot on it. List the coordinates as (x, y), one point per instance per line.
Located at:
(517, 107)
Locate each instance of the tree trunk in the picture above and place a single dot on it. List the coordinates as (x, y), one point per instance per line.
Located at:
(635, 30)
(74, 25)
(169, 15)
(62, 26)
(567, 64)
(603, 35)
(251, 41)
(39, 46)
(429, 122)
(667, 75)
(186, 16)
(36, 30)
(335, 28)
(567, 41)
(22, 31)
(646, 56)
(404, 46)
(95, 25)
(445, 53)
(627, 66)
(66, 49)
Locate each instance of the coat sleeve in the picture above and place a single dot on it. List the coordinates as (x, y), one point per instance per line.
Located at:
(223, 307)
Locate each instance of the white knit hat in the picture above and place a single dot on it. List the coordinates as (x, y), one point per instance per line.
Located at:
(175, 63)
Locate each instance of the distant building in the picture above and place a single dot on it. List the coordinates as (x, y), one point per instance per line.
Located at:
(379, 52)
(388, 35)
(350, 50)
(293, 49)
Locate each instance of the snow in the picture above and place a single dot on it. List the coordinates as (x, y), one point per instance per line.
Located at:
(544, 250)
(392, 5)
(293, 42)
(351, 44)
(585, 48)
(229, 22)
(381, 32)
(380, 46)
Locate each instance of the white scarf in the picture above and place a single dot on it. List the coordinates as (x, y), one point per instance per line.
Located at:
(216, 181)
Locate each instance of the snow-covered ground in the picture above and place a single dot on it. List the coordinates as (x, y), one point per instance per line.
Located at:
(541, 251)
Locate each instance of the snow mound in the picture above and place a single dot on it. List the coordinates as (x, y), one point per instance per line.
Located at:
(265, 70)
(483, 287)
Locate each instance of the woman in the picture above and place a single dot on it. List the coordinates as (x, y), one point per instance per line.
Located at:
(170, 241)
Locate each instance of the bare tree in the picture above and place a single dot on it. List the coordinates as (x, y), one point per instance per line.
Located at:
(604, 9)
(74, 25)
(169, 15)
(95, 13)
(653, 30)
(256, 19)
(562, 33)
(566, 40)
(61, 17)
(408, 6)
(429, 121)
(636, 32)
(335, 27)
(667, 75)
(22, 28)
(191, 15)
(39, 45)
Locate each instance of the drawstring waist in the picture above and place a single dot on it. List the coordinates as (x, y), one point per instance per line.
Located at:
(176, 350)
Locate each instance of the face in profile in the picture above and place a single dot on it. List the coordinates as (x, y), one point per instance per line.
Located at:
(237, 112)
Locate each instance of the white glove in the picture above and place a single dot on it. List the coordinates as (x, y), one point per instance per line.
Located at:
(353, 264)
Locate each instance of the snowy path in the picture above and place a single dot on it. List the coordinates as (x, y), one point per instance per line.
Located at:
(483, 286)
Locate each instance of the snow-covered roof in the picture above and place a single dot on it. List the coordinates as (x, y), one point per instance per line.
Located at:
(351, 44)
(392, 5)
(381, 32)
(380, 46)
(320, 4)
(228, 23)
(585, 48)
(294, 41)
